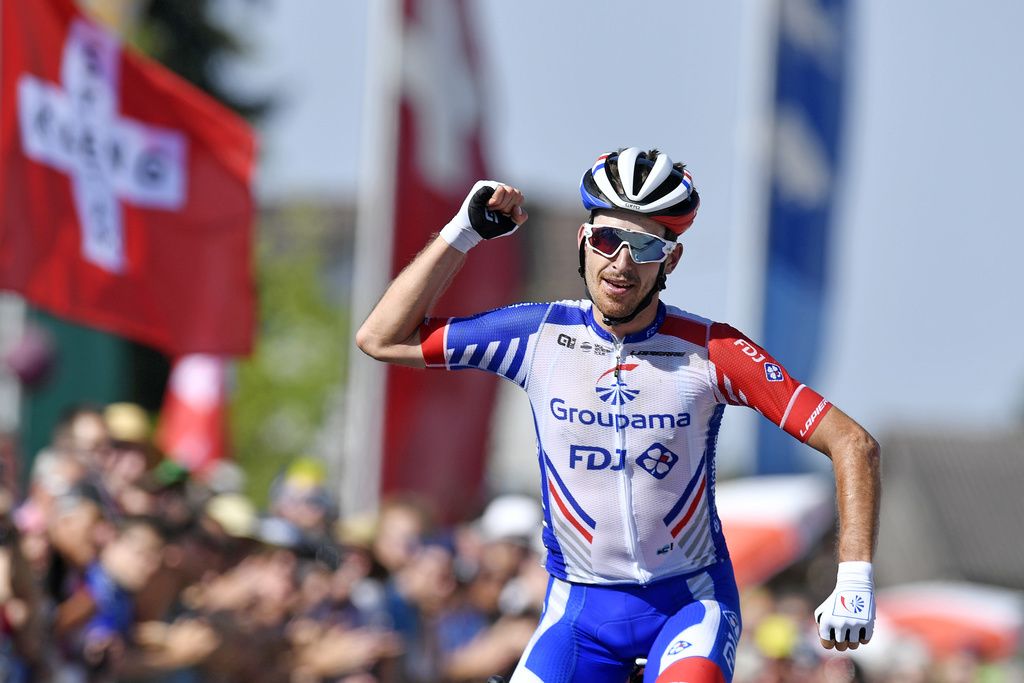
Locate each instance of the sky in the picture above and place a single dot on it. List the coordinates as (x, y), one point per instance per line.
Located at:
(926, 258)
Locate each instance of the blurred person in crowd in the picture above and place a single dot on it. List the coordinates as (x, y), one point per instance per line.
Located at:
(82, 429)
(784, 655)
(175, 498)
(10, 470)
(77, 529)
(357, 598)
(250, 607)
(96, 621)
(132, 454)
(489, 623)
(22, 615)
(416, 597)
(332, 637)
(81, 434)
(628, 396)
(300, 496)
(232, 521)
(402, 524)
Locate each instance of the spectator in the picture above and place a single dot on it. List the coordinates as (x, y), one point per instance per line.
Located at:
(22, 628)
(132, 454)
(78, 528)
(401, 527)
(96, 620)
(300, 497)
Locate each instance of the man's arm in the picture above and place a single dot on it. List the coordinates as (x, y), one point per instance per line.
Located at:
(856, 459)
(846, 618)
(391, 332)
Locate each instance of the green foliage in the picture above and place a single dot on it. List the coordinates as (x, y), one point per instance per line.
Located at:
(282, 391)
(180, 35)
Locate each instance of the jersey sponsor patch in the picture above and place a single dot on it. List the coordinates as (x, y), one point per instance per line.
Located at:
(855, 604)
(773, 372)
(615, 392)
(657, 460)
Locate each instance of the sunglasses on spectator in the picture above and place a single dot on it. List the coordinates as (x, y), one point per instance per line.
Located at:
(643, 246)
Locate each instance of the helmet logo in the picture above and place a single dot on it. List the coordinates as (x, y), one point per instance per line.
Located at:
(637, 207)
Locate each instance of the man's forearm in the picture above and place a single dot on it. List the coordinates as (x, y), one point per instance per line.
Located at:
(856, 460)
(391, 331)
(858, 495)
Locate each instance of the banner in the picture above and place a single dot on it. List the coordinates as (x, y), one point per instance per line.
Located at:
(810, 70)
(192, 429)
(125, 199)
(428, 429)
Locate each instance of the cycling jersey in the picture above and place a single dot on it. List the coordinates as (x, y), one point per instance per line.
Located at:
(626, 428)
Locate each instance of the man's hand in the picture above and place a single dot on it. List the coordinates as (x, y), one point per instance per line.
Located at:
(847, 618)
(490, 210)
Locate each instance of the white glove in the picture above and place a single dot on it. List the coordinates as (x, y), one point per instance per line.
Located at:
(475, 222)
(847, 617)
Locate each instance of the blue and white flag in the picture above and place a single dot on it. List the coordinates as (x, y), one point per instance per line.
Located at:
(809, 100)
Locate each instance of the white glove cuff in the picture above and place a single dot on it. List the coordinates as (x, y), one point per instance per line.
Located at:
(459, 237)
(856, 571)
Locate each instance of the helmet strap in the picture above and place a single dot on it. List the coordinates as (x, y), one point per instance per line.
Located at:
(659, 284)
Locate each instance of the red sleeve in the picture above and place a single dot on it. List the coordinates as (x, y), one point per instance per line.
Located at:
(432, 333)
(746, 375)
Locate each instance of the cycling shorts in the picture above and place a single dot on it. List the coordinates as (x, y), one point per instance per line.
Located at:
(595, 633)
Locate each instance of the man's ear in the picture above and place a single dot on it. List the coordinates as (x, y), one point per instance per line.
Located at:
(673, 259)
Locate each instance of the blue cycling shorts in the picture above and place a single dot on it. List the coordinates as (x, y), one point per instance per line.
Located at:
(594, 633)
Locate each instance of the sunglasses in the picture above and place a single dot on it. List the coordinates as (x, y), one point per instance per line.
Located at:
(643, 246)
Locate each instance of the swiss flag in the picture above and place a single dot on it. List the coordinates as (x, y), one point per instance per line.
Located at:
(125, 198)
(436, 425)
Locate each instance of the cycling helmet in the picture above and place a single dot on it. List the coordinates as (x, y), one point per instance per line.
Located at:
(647, 183)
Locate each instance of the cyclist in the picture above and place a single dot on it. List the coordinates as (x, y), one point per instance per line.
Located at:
(628, 395)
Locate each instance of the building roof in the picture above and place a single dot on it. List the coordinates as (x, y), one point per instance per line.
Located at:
(952, 508)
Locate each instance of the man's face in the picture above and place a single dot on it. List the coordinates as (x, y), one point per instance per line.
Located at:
(617, 285)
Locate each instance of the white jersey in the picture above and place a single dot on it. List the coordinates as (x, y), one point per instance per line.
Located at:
(626, 428)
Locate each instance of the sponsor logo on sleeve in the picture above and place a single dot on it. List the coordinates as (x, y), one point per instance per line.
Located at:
(772, 372)
(814, 416)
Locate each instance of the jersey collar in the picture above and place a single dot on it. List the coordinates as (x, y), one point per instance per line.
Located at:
(642, 335)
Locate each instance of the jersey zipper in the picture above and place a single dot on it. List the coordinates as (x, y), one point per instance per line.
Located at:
(625, 479)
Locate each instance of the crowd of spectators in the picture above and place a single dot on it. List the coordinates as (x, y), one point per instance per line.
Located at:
(117, 564)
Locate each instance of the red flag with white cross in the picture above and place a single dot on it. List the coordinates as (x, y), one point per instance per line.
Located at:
(125, 192)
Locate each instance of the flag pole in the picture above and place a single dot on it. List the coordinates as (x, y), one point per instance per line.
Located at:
(358, 465)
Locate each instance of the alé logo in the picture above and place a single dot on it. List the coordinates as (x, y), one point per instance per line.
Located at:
(612, 388)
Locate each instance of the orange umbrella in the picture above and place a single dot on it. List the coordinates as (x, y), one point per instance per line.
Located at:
(772, 521)
(952, 617)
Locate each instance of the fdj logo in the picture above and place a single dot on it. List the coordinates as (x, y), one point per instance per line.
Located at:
(773, 372)
(616, 393)
(596, 458)
(853, 603)
(657, 460)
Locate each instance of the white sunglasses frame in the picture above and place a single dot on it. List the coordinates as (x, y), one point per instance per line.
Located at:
(667, 247)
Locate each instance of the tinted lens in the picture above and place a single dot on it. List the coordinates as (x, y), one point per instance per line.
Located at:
(643, 248)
